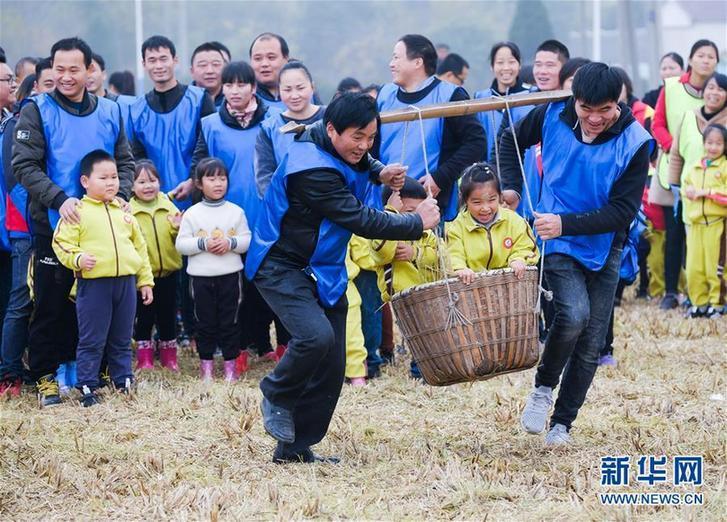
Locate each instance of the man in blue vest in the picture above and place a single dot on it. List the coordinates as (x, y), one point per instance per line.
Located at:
(53, 133)
(268, 54)
(595, 162)
(208, 60)
(451, 143)
(297, 261)
(166, 121)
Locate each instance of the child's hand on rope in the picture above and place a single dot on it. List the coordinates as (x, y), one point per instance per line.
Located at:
(393, 176)
(548, 226)
(518, 266)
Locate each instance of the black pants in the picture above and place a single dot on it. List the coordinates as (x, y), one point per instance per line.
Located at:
(162, 312)
(6, 279)
(256, 317)
(184, 301)
(216, 307)
(309, 377)
(608, 345)
(53, 330)
(674, 249)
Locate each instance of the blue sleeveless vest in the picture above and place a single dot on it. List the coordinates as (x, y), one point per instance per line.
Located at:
(68, 138)
(534, 179)
(125, 102)
(327, 263)
(630, 255)
(271, 126)
(492, 120)
(236, 149)
(392, 140)
(169, 138)
(578, 177)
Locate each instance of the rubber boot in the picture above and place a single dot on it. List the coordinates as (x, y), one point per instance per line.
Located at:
(241, 363)
(206, 370)
(230, 371)
(168, 355)
(145, 355)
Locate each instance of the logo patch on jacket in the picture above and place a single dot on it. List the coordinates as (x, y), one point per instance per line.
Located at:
(507, 243)
(22, 135)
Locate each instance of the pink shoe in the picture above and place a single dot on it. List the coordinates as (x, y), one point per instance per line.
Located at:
(230, 371)
(168, 355)
(206, 370)
(280, 351)
(241, 363)
(358, 382)
(145, 355)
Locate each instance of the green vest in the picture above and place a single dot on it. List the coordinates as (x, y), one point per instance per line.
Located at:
(677, 101)
(691, 146)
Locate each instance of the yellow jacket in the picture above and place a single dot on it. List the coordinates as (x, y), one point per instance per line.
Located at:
(154, 218)
(395, 276)
(111, 235)
(354, 298)
(477, 247)
(360, 253)
(713, 178)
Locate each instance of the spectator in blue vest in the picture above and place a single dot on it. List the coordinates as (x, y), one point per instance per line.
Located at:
(268, 54)
(208, 59)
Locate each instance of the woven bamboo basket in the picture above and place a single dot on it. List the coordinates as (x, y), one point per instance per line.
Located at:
(497, 332)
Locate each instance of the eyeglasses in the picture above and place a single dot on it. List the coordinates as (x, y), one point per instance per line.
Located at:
(10, 79)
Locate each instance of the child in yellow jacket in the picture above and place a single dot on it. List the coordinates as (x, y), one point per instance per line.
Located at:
(705, 216)
(355, 348)
(107, 252)
(159, 220)
(486, 236)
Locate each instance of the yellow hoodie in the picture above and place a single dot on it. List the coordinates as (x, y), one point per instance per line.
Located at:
(154, 218)
(477, 247)
(111, 235)
(712, 178)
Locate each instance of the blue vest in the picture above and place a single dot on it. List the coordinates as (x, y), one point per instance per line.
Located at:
(271, 127)
(578, 177)
(169, 138)
(125, 102)
(327, 264)
(68, 138)
(236, 149)
(492, 120)
(630, 255)
(392, 141)
(533, 179)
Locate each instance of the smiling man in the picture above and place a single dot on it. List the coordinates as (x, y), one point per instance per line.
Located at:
(595, 161)
(54, 132)
(297, 261)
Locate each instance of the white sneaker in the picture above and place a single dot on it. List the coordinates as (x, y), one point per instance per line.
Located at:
(536, 410)
(557, 436)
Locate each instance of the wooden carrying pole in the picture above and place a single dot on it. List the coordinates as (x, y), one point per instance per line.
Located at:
(459, 108)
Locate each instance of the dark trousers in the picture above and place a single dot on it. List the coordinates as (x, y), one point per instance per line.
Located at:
(309, 377)
(6, 281)
(216, 308)
(53, 332)
(673, 249)
(162, 312)
(583, 301)
(185, 301)
(106, 308)
(255, 320)
(608, 345)
(17, 316)
(371, 318)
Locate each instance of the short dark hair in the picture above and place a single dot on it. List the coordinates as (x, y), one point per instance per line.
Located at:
(23, 61)
(570, 68)
(554, 46)
(453, 63)
(418, 46)
(100, 61)
(157, 42)
(703, 43)
(207, 46)
(674, 56)
(223, 49)
(25, 88)
(514, 49)
(3, 58)
(411, 189)
(349, 84)
(72, 44)
(238, 72)
(145, 165)
(475, 174)
(625, 80)
(596, 83)
(351, 109)
(295, 65)
(717, 128)
(42, 65)
(123, 82)
(720, 79)
(93, 158)
(284, 50)
(372, 87)
(209, 167)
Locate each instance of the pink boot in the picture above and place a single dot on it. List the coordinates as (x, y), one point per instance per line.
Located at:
(206, 370)
(358, 382)
(241, 363)
(145, 355)
(168, 355)
(230, 371)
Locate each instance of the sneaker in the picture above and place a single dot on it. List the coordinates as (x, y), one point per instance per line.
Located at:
(88, 397)
(278, 422)
(48, 392)
(125, 388)
(557, 436)
(11, 386)
(607, 360)
(669, 302)
(536, 409)
(357, 382)
(304, 456)
(694, 312)
(711, 312)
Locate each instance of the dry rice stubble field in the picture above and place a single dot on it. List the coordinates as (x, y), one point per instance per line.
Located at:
(181, 450)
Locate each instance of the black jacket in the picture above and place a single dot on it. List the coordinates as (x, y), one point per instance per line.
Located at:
(463, 141)
(167, 101)
(625, 196)
(317, 194)
(29, 160)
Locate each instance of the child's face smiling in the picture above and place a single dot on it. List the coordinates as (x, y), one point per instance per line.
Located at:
(146, 186)
(714, 145)
(102, 184)
(483, 202)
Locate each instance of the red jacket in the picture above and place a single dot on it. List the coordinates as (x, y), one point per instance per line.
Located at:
(658, 126)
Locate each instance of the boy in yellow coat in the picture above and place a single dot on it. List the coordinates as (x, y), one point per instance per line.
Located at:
(107, 252)
(355, 348)
(705, 218)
